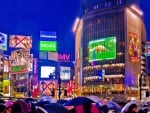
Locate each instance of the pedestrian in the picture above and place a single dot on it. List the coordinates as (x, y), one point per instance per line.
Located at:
(132, 108)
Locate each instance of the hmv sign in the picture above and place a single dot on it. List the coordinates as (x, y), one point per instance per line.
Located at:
(63, 57)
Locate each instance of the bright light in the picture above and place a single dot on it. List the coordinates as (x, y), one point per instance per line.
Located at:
(76, 24)
(137, 10)
(131, 13)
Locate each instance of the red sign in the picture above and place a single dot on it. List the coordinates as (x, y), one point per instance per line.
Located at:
(69, 87)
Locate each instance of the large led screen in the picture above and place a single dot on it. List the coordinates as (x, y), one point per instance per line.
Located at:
(18, 41)
(46, 71)
(48, 46)
(102, 49)
(65, 73)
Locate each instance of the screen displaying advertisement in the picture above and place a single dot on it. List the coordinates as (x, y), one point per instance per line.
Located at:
(3, 41)
(50, 46)
(20, 57)
(46, 71)
(65, 73)
(134, 48)
(18, 41)
(102, 49)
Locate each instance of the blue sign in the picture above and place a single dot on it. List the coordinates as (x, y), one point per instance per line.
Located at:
(48, 36)
(3, 41)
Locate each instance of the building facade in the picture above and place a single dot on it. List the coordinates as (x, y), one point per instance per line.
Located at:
(113, 32)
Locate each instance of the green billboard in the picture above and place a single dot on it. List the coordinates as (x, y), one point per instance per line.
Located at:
(102, 49)
(50, 46)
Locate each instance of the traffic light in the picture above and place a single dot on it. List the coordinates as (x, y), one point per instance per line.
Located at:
(147, 93)
(65, 92)
(53, 93)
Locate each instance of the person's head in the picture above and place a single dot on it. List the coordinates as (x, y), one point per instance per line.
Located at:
(2, 108)
(17, 108)
(133, 108)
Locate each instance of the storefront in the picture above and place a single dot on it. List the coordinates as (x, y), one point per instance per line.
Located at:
(20, 71)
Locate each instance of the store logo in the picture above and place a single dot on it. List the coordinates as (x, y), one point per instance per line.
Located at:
(64, 57)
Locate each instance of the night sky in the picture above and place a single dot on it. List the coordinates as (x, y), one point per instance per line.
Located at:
(28, 17)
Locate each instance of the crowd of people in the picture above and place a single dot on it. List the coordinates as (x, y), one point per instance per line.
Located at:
(47, 104)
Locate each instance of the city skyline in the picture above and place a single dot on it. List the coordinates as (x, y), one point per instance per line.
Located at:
(19, 17)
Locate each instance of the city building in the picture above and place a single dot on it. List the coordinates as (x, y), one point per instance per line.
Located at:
(111, 44)
(77, 29)
(148, 55)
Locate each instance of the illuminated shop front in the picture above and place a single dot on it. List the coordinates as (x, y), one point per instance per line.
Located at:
(20, 72)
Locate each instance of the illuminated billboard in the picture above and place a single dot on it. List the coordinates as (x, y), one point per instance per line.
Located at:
(134, 48)
(3, 41)
(21, 61)
(46, 71)
(48, 46)
(47, 35)
(18, 41)
(102, 49)
(65, 73)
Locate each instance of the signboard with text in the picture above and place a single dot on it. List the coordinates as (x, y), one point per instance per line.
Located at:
(48, 46)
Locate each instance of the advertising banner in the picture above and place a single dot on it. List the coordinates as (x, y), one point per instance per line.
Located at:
(6, 84)
(47, 35)
(65, 73)
(21, 61)
(6, 66)
(35, 86)
(49, 46)
(134, 49)
(3, 41)
(18, 41)
(102, 49)
(46, 87)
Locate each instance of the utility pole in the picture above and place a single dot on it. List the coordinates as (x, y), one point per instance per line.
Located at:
(59, 81)
(140, 85)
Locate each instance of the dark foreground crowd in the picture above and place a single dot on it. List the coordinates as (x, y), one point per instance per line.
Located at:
(76, 105)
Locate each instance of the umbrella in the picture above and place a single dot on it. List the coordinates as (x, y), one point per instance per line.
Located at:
(9, 103)
(86, 108)
(96, 99)
(26, 108)
(119, 98)
(55, 108)
(41, 110)
(114, 106)
(78, 101)
(48, 98)
(62, 101)
(30, 100)
(126, 107)
(42, 103)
